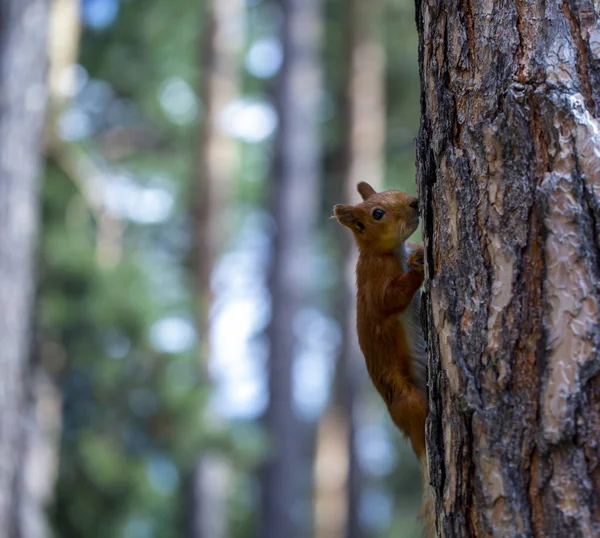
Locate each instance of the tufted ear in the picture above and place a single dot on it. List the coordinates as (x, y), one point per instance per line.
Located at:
(346, 215)
(365, 190)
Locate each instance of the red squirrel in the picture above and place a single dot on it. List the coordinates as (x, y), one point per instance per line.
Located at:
(389, 275)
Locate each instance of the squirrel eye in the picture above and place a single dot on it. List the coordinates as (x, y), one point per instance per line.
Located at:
(378, 214)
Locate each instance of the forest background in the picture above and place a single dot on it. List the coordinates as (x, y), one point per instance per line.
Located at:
(194, 362)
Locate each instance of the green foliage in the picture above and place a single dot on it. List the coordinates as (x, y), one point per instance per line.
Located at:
(123, 411)
(131, 428)
(136, 416)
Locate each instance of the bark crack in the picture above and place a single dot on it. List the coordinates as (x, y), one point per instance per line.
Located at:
(527, 31)
(581, 51)
(470, 26)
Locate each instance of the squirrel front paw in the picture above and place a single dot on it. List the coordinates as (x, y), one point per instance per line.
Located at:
(416, 261)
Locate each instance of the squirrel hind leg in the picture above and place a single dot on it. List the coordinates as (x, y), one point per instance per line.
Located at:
(408, 410)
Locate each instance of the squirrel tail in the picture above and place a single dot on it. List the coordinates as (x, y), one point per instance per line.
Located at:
(427, 513)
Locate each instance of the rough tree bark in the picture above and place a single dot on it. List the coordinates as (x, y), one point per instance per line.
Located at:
(509, 176)
(294, 205)
(23, 27)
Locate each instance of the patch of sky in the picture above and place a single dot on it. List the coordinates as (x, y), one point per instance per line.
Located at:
(138, 527)
(72, 80)
(250, 119)
(264, 57)
(127, 199)
(376, 453)
(99, 14)
(178, 101)
(375, 509)
(162, 475)
(240, 312)
(319, 340)
(173, 334)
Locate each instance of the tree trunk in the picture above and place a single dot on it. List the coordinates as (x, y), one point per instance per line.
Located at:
(217, 154)
(208, 492)
(22, 103)
(294, 205)
(42, 405)
(366, 96)
(38, 463)
(216, 166)
(338, 479)
(509, 178)
(364, 158)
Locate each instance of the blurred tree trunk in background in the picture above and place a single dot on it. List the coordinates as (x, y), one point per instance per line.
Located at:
(294, 205)
(337, 471)
(366, 97)
(209, 493)
(217, 161)
(38, 462)
(221, 47)
(23, 30)
(509, 177)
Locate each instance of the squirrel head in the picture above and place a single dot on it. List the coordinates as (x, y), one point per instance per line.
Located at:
(382, 221)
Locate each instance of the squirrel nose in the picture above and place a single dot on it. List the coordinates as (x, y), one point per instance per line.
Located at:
(414, 203)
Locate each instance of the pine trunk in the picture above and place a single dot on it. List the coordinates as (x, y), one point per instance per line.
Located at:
(338, 477)
(509, 177)
(217, 153)
(42, 406)
(294, 206)
(219, 58)
(23, 26)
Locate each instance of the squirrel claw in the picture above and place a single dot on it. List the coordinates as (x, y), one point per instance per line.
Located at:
(416, 261)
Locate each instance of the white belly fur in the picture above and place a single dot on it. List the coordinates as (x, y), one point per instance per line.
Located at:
(411, 322)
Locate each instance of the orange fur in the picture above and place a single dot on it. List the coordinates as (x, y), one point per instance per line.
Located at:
(388, 281)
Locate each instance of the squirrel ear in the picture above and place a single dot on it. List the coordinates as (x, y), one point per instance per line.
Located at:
(345, 215)
(365, 190)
